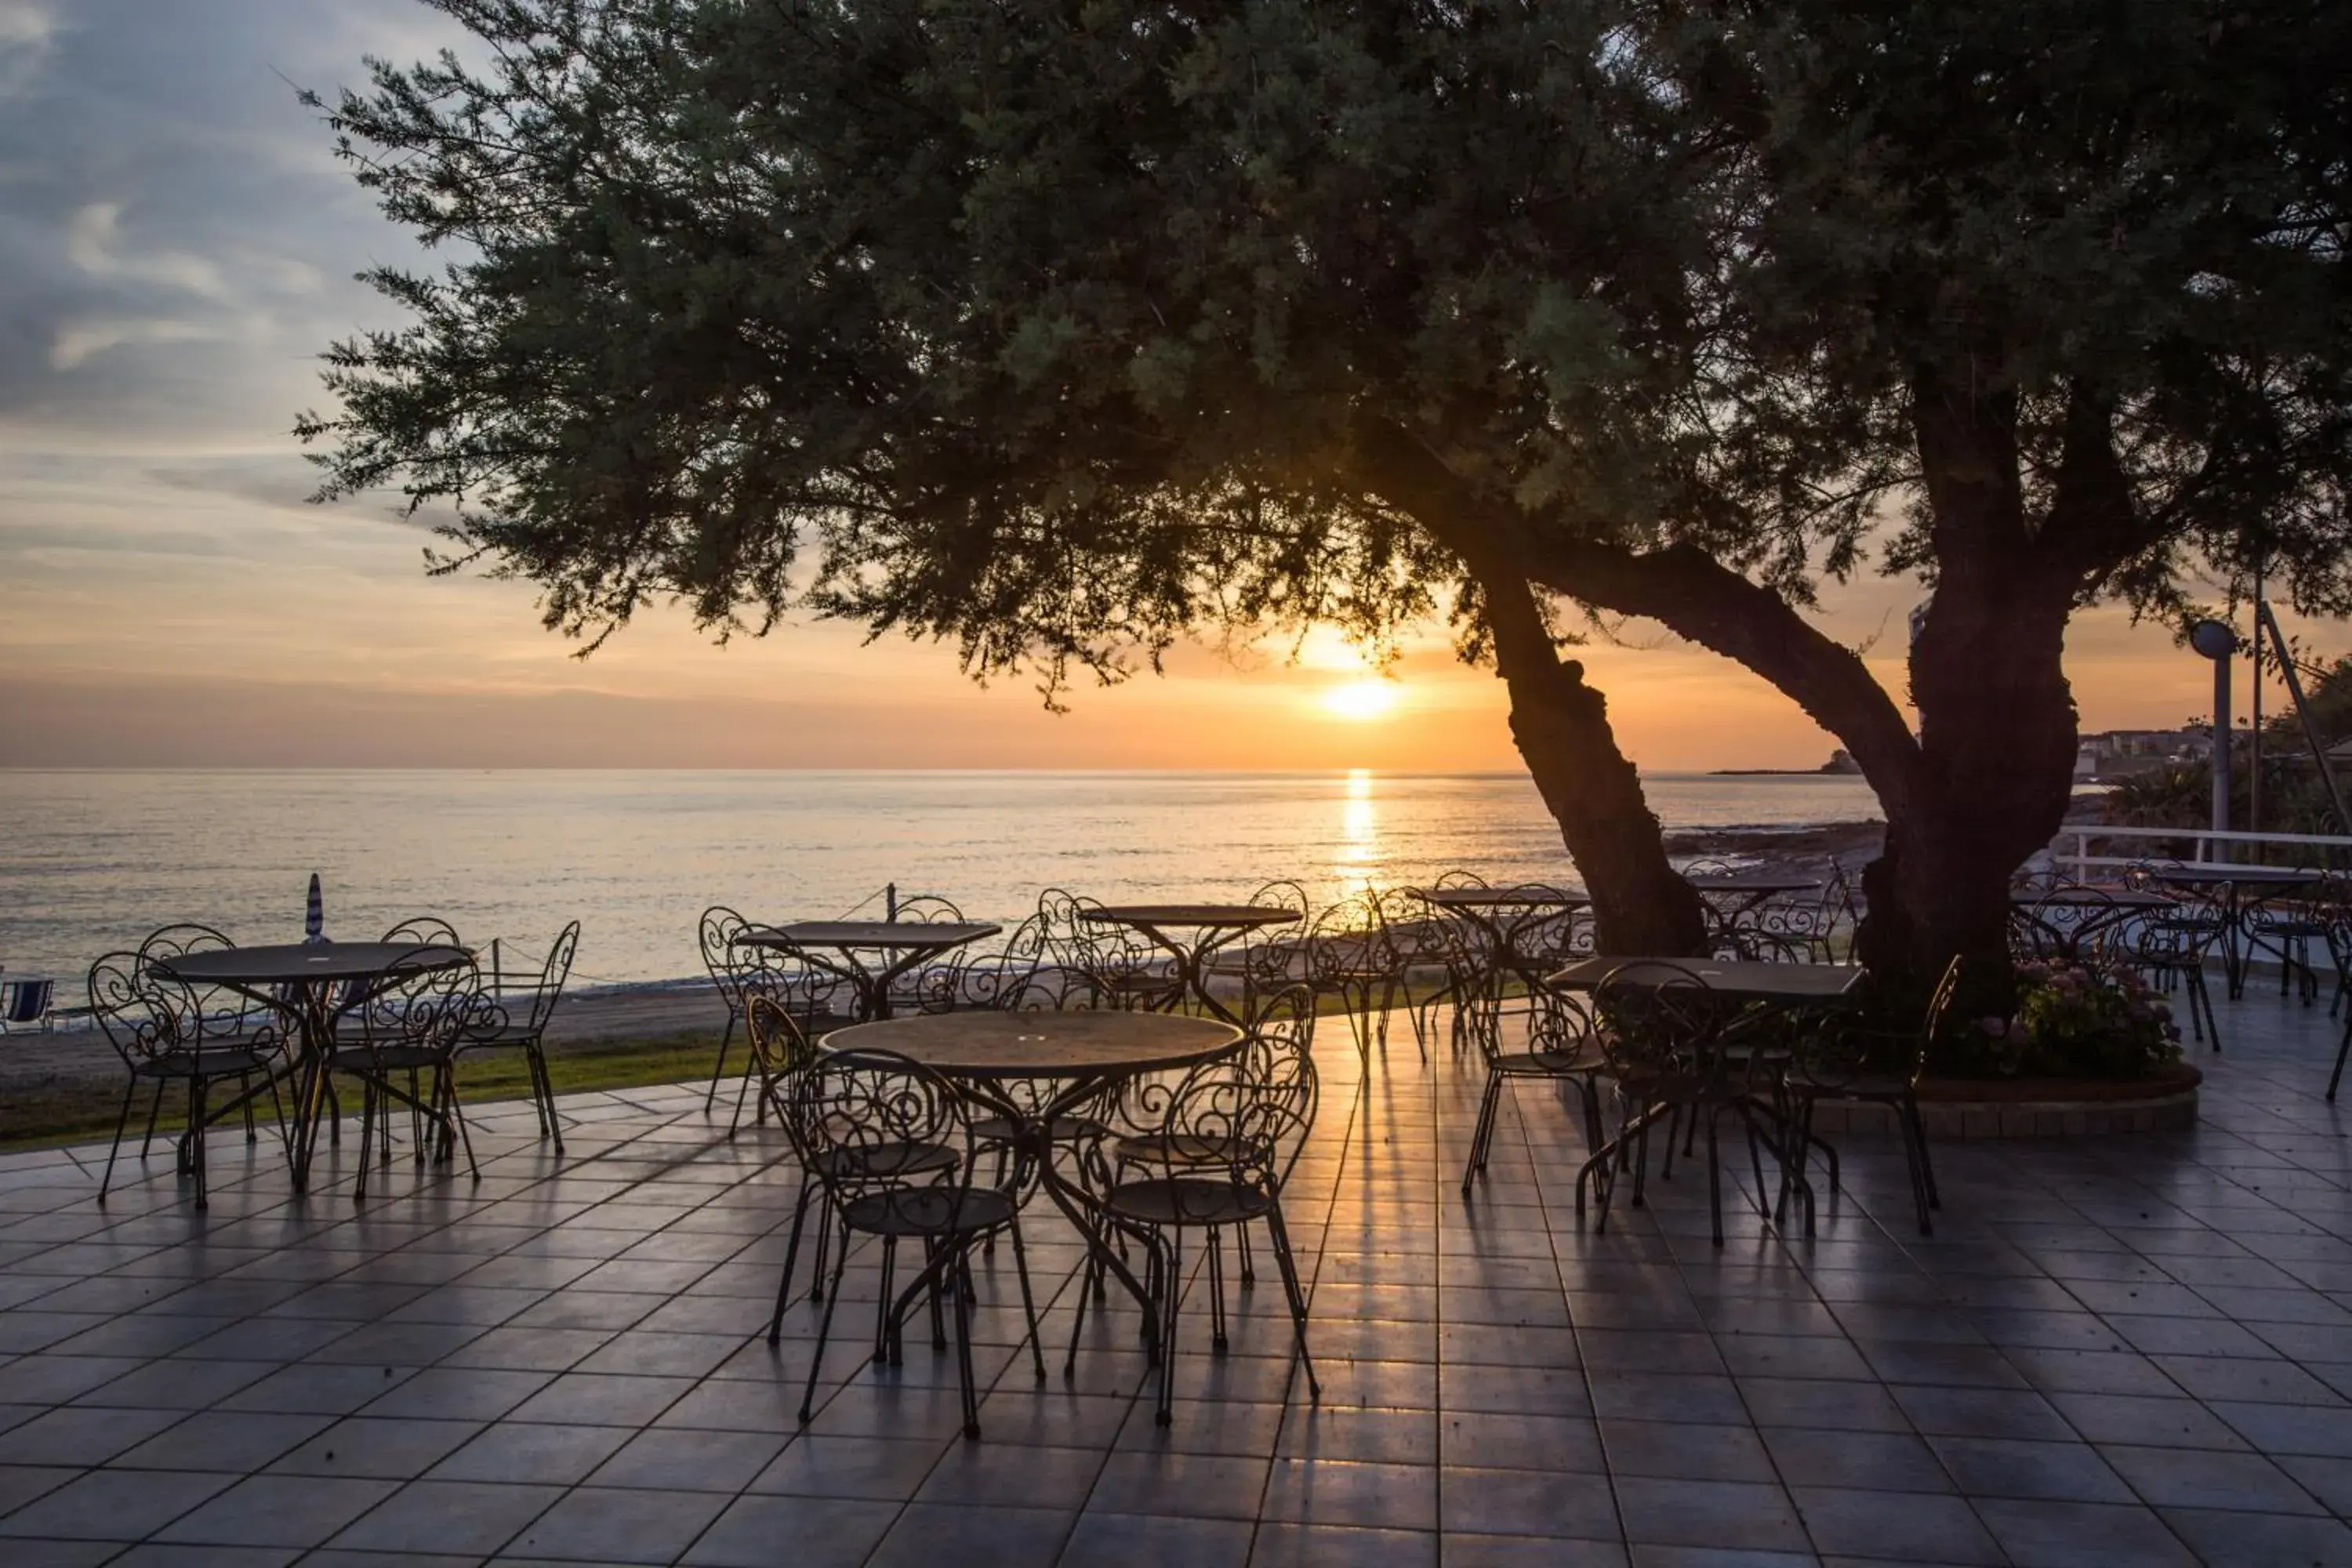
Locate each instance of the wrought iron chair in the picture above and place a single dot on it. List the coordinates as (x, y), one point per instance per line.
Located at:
(518, 1020)
(1120, 969)
(1268, 960)
(2286, 925)
(1855, 1064)
(786, 1054)
(1412, 942)
(1560, 1048)
(159, 1027)
(424, 931)
(1350, 955)
(402, 1044)
(2169, 948)
(717, 931)
(1218, 1151)
(1662, 1032)
(1021, 973)
(2067, 922)
(857, 1119)
(934, 984)
(222, 1016)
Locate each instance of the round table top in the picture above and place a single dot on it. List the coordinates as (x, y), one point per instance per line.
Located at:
(884, 935)
(2245, 875)
(1741, 979)
(293, 961)
(1191, 914)
(991, 1044)
(2092, 899)
(1758, 884)
(1527, 897)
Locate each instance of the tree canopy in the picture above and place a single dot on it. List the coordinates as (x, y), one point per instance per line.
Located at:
(1054, 329)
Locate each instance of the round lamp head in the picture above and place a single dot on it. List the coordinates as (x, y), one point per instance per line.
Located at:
(2213, 639)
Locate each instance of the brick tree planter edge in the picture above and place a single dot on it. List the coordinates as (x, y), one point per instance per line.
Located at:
(2034, 1107)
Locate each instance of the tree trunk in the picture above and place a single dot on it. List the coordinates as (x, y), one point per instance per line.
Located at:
(1640, 904)
(1998, 734)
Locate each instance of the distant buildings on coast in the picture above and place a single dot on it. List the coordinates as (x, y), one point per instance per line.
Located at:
(2114, 755)
(2127, 753)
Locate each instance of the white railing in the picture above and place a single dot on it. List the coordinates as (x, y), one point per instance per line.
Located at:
(2322, 850)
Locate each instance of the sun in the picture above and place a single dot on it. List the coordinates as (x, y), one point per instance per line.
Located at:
(1362, 699)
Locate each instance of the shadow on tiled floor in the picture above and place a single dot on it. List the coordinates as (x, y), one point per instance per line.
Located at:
(2132, 1351)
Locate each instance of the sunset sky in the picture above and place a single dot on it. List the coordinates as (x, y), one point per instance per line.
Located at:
(175, 247)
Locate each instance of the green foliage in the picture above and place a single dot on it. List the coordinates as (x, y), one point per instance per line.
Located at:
(1058, 331)
(2070, 1022)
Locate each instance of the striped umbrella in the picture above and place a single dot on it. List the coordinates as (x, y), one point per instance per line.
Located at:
(314, 915)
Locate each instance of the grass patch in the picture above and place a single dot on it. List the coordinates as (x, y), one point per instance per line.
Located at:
(83, 1110)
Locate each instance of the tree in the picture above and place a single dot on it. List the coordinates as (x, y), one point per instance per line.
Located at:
(1056, 331)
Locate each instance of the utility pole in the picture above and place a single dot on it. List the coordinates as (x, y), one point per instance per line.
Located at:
(2217, 642)
(2254, 734)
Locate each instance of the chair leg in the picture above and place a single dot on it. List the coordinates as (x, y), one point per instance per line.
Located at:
(1028, 1298)
(448, 1073)
(1927, 1165)
(367, 1136)
(959, 1286)
(791, 1253)
(131, 1092)
(155, 1113)
(547, 1094)
(1488, 1104)
(1288, 1265)
(1218, 1340)
(194, 1143)
(1171, 1286)
(824, 1329)
(1714, 1172)
(719, 1071)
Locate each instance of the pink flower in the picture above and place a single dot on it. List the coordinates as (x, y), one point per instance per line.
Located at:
(1996, 1027)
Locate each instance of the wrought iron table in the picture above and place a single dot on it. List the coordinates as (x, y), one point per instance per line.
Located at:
(2240, 888)
(2096, 911)
(1750, 891)
(1216, 925)
(1081, 1055)
(902, 943)
(1742, 979)
(316, 983)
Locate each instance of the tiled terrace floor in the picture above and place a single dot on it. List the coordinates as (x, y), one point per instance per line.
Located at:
(2136, 1350)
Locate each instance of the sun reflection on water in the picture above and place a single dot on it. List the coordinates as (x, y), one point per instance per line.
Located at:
(1360, 828)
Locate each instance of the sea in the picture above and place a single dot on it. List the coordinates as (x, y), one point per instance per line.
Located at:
(92, 861)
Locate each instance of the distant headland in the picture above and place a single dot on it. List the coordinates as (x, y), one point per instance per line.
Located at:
(1840, 762)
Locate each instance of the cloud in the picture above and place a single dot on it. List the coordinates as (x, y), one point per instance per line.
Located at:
(29, 33)
(92, 235)
(78, 341)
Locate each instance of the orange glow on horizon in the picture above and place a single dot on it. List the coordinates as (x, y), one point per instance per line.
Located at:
(1361, 700)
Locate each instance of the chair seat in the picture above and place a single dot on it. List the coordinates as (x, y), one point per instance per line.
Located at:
(1547, 1064)
(386, 1058)
(1175, 1151)
(504, 1034)
(2291, 927)
(1065, 1129)
(212, 1061)
(1186, 1201)
(887, 1160)
(929, 1211)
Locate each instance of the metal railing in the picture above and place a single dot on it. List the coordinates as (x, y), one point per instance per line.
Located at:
(2321, 851)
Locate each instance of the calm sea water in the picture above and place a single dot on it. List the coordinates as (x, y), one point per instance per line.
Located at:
(92, 861)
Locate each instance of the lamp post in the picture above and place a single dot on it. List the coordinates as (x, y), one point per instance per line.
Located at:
(2217, 642)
